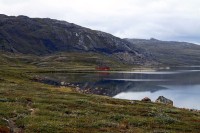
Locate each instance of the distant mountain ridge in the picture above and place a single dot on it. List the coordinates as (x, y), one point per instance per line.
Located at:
(169, 52)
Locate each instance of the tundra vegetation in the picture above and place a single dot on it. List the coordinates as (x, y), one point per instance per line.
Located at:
(28, 106)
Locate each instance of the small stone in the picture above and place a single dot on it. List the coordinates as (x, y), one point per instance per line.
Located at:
(146, 99)
(62, 83)
(132, 102)
(31, 109)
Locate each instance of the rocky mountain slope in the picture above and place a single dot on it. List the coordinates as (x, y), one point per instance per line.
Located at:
(38, 36)
(44, 36)
(169, 52)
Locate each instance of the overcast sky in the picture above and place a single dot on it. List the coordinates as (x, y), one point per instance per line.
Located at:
(162, 19)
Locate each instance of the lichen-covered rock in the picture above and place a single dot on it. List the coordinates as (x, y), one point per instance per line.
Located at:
(162, 99)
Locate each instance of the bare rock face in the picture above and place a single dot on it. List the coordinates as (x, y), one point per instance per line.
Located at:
(146, 99)
(162, 99)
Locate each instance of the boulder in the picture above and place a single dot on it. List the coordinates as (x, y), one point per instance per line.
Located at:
(62, 83)
(146, 99)
(162, 99)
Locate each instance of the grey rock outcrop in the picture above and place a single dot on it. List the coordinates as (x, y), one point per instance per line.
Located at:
(162, 99)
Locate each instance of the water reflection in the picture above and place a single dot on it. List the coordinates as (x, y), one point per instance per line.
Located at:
(183, 96)
(180, 84)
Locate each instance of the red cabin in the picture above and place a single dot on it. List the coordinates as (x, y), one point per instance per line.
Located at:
(103, 68)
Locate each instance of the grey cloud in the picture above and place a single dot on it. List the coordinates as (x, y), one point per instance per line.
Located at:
(162, 19)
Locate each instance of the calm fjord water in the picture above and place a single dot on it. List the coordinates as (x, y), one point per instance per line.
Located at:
(180, 84)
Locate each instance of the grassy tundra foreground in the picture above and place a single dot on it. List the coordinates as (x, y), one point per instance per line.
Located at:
(31, 107)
